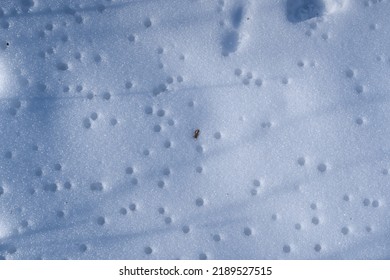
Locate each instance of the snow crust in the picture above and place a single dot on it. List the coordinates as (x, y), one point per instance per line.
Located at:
(100, 101)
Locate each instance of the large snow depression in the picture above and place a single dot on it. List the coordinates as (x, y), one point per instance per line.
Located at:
(100, 101)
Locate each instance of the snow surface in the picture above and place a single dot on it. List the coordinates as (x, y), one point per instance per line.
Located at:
(100, 101)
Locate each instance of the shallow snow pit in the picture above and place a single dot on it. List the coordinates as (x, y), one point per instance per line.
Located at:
(4, 77)
(301, 10)
(194, 129)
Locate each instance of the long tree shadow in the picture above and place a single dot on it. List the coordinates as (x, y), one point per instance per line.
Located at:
(67, 10)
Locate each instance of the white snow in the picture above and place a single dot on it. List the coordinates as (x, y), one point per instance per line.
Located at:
(100, 101)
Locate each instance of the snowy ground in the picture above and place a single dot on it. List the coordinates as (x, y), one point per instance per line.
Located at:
(100, 100)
